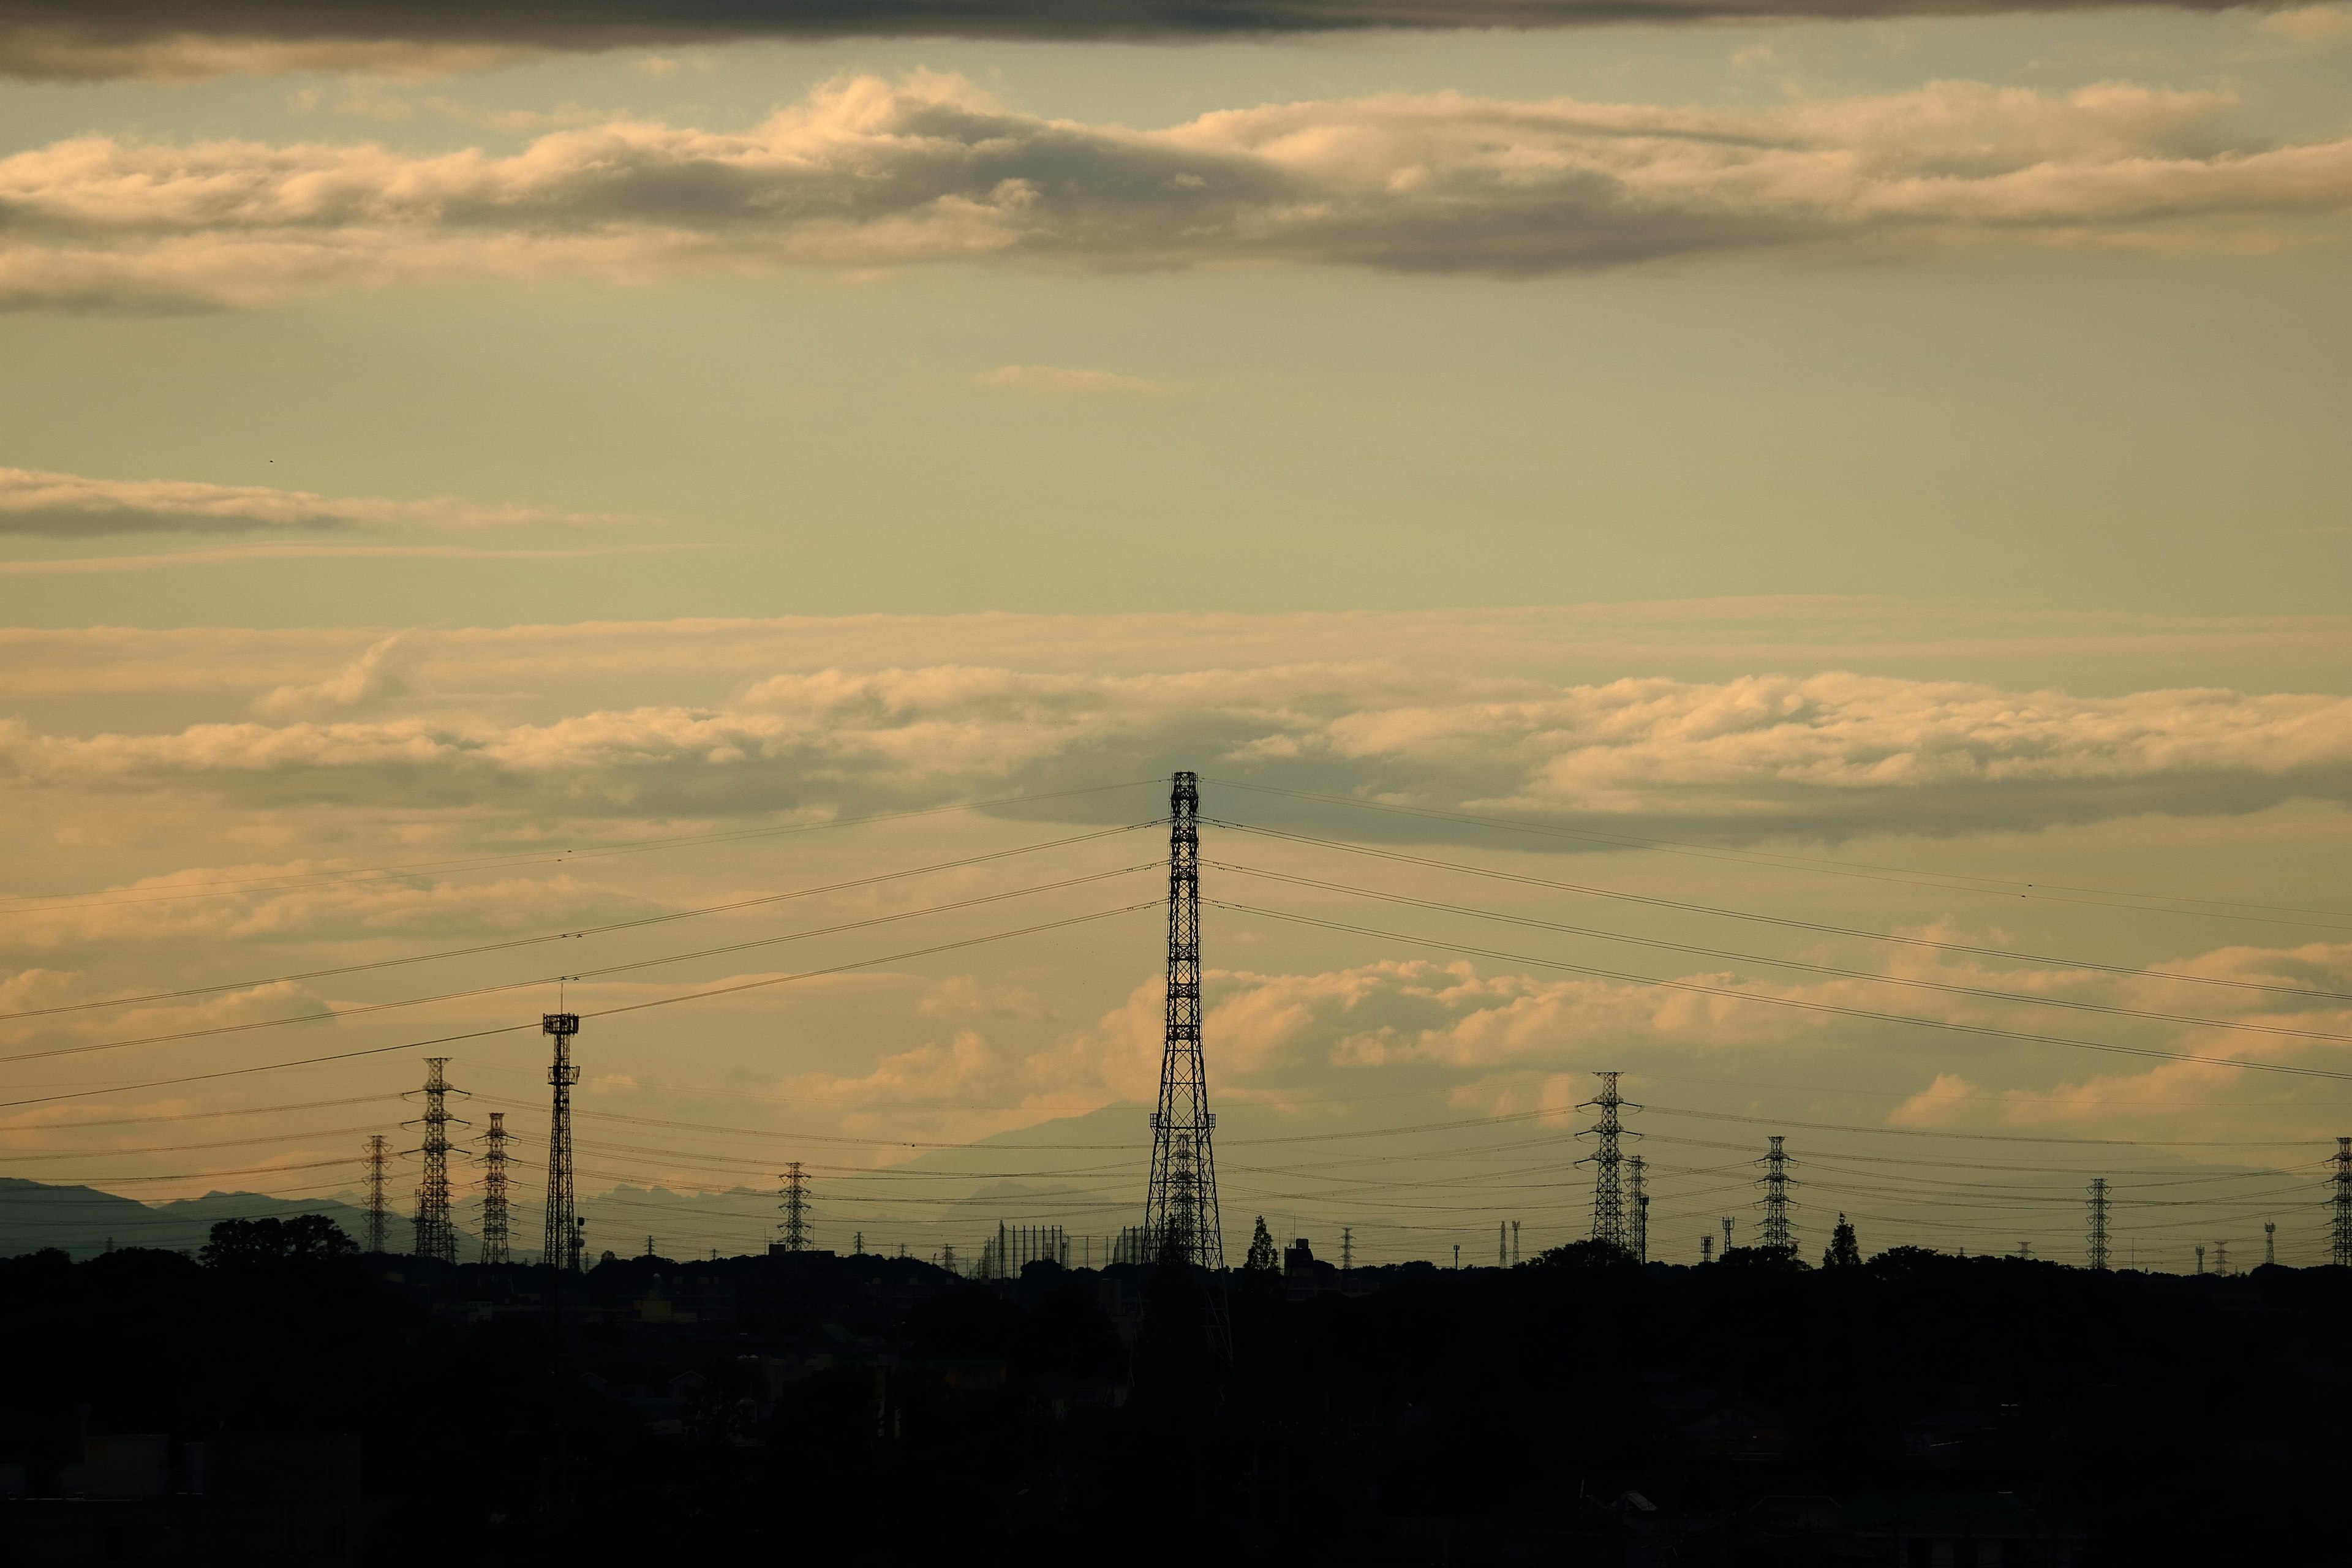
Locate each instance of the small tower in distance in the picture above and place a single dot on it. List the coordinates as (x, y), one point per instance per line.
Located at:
(1778, 1235)
(1608, 1195)
(375, 1210)
(2099, 1223)
(2270, 1243)
(436, 1236)
(793, 1231)
(494, 1191)
(1638, 1222)
(564, 1238)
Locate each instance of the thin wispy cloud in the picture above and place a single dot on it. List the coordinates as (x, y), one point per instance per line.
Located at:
(86, 39)
(868, 172)
(1048, 378)
(73, 506)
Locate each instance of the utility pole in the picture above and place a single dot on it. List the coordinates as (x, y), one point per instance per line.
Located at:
(1607, 1201)
(1179, 1208)
(2099, 1223)
(375, 1215)
(794, 1225)
(1777, 1235)
(564, 1240)
(436, 1236)
(494, 1191)
(1638, 1241)
(2339, 1247)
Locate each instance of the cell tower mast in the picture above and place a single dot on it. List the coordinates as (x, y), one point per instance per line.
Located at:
(2270, 1242)
(563, 1247)
(793, 1230)
(1778, 1235)
(494, 1191)
(1608, 1200)
(1180, 1210)
(436, 1236)
(2339, 1248)
(2099, 1223)
(375, 1210)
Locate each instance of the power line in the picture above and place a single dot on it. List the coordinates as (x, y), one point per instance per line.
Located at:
(364, 1009)
(1947, 881)
(584, 931)
(298, 881)
(1833, 1008)
(605, 1013)
(1686, 906)
(1947, 987)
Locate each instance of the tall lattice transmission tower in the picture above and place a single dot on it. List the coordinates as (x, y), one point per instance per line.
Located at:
(1637, 1226)
(1780, 1236)
(1180, 1210)
(2270, 1242)
(494, 1189)
(436, 1236)
(2339, 1235)
(794, 1233)
(563, 1245)
(1607, 1197)
(2099, 1223)
(375, 1209)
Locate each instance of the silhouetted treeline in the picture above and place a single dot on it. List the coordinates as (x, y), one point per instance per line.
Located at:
(1578, 1409)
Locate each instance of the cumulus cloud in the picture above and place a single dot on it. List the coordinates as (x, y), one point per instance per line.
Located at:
(1827, 755)
(867, 173)
(86, 39)
(70, 506)
(2313, 27)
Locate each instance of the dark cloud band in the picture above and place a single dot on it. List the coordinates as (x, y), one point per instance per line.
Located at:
(91, 38)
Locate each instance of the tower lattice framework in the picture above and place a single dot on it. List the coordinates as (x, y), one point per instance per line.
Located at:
(494, 1189)
(1609, 1223)
(1180, 1209)
(1780, 1235)
(436, 1236)
(2339, 1235)
(563, 1245)
(1637, 1218)
(376, 1149)
(793, 1232)
(2099, 1223)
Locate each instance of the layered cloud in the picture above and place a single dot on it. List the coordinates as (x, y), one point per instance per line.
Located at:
(873, 173)
(70, 506)
(1826, 755)
(86, 39)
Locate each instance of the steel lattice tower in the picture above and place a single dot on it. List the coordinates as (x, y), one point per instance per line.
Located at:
(562, 1247)
(1180, 1210)
(794, 1200)
(1638, 1227)
(494, 1191)
(376, 1212)
(2339, 1251)
(1779, 1235)
(2099, 1223)
(436, 1236)
(2270, 1242)
(1608, 1199)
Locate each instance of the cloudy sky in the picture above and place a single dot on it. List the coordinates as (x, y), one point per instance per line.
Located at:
(1801, 558)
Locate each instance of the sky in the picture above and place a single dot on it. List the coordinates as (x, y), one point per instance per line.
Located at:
(1803, 560)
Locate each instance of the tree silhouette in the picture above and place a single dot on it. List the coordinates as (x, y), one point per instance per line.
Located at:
(1844, 1251)
(1261, 1252)
(306, 1236)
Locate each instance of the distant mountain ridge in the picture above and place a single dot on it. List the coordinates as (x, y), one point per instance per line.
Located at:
(84, 1222)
